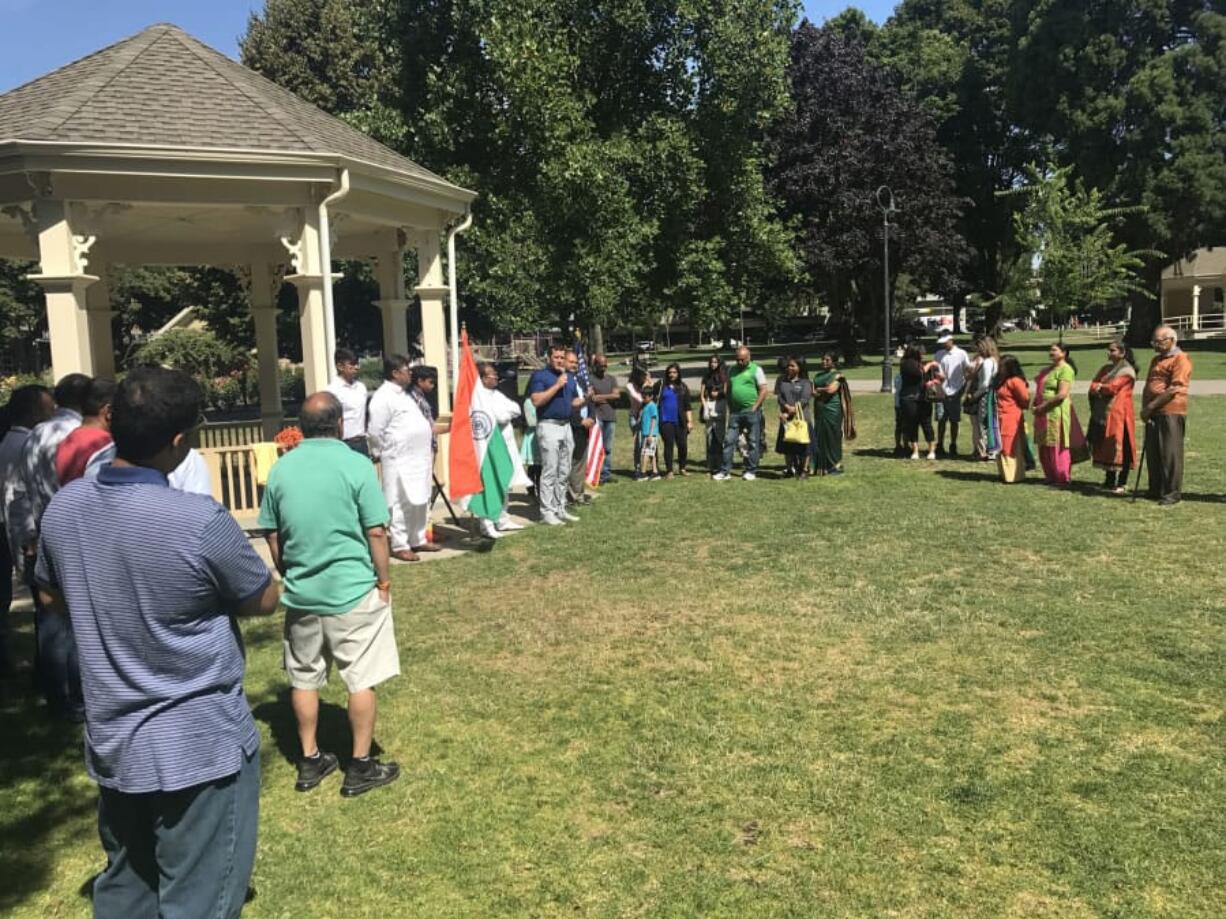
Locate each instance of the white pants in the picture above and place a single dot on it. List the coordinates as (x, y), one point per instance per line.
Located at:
(408, 525)
(556, 441)
(409, 518)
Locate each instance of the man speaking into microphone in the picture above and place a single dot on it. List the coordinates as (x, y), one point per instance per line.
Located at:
(554, 393)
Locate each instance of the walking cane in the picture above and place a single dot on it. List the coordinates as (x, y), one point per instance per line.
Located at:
(1141, 465)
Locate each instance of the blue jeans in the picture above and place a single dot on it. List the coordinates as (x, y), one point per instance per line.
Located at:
(751, 423)
(56, 666)
(6, 601)
(606, 431)
(179, 854)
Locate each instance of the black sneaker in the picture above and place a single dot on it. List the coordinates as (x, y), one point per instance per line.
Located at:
(953, 450)
(312, 771)
(363, 775)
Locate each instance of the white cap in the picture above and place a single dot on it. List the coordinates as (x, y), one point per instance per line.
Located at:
(948, 336)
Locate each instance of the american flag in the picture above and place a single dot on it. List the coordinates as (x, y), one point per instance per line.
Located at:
(594, 461)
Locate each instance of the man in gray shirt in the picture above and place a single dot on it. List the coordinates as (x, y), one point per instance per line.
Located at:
(603, 395)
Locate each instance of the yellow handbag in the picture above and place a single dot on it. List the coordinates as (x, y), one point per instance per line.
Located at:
(796, 429)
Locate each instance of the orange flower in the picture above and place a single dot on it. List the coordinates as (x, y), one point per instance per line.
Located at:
(288, 438)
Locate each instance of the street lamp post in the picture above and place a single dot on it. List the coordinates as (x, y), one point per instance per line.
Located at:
(885, 200)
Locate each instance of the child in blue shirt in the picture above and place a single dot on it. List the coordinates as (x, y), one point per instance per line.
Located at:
(649, 427)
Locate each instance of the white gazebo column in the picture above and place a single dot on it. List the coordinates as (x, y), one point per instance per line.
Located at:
(308, 278)
(392, 303)
(265, 283)
(1195, 307)
(98, 319)
(62, 258)
(433, 292)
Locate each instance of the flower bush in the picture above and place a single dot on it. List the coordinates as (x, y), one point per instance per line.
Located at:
(288, 438)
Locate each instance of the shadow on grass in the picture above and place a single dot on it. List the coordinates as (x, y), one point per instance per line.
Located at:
(41, 757)
(332, 733)
(1086, 489)
(878, 453)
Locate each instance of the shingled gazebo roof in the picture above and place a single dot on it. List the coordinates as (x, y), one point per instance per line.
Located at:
(163, 88)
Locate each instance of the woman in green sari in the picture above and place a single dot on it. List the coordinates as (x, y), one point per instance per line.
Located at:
(833, 419)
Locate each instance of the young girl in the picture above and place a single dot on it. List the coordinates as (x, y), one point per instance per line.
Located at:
(649, 427)
(639, 380)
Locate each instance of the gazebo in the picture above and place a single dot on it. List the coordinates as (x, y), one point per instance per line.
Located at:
(161, 150)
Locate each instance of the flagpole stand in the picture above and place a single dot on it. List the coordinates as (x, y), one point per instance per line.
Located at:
(439, 493)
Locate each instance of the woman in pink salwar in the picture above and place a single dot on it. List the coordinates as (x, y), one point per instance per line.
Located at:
(1053, 416)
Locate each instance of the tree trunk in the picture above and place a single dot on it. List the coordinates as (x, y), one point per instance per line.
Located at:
(1146, 310)
(597, 338)
(992, 317)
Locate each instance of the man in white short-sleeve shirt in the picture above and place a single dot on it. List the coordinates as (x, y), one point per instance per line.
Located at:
(953, 361)
(352, 395)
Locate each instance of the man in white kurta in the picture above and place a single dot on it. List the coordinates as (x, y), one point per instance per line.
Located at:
(402, 437)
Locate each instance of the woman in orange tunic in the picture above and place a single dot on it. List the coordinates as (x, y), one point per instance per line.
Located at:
(1012, 400)
(1113, 429)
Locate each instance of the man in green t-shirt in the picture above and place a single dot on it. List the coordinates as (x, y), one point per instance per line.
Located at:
(746, 393)
(325, 519)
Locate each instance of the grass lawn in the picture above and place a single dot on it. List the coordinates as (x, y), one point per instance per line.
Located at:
(908, 692)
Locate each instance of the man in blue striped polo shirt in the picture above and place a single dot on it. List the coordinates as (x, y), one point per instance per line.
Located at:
(169, 736)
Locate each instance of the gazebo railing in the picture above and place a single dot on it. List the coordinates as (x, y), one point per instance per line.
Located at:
(231, 434)
(232, 470)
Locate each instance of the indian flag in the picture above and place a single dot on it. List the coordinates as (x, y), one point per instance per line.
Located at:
(485, 461)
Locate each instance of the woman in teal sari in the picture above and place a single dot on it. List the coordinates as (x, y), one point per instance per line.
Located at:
(833, 418)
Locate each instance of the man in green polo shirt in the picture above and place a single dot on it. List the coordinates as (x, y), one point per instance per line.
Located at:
(746, 393)
(325, 519)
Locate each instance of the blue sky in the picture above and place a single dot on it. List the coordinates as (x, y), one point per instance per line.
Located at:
(40, 35)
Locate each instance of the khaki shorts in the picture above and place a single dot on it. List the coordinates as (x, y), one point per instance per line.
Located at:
(361, 642)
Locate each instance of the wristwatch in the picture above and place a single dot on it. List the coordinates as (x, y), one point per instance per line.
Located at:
(383, 585)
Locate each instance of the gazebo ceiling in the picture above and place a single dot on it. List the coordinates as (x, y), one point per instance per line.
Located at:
(165, 144)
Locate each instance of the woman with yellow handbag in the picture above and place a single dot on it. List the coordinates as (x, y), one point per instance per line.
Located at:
(794, 393)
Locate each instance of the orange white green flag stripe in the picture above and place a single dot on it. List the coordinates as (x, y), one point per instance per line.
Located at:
(485, 463)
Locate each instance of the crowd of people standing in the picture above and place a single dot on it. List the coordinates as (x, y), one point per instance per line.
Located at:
(994, 392)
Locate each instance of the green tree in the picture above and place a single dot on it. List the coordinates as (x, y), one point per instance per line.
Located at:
(851, 130)
(23, 315)
(331, 53)
(616, 146)
(1066, 234)
(956, 56)
(1132, 94)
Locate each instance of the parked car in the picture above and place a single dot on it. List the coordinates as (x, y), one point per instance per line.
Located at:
(642, 346)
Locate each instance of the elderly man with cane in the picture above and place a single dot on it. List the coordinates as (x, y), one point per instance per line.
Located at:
(1164, 409)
